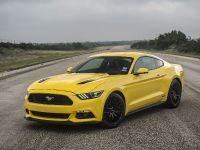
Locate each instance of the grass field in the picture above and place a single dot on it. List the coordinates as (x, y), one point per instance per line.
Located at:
(16, 58)
(103, 48)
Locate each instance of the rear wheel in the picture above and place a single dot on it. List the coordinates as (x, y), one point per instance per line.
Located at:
(114, 111)
(174, 94)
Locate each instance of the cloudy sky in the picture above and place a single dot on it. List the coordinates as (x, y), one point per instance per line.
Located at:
(96, 20)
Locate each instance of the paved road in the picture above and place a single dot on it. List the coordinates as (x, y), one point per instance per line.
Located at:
(154, 128)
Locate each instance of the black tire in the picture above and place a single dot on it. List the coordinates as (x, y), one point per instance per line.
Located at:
(114, 111)
(174, 94)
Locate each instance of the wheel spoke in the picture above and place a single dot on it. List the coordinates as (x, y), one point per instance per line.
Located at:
(113, 110)
(175, 94)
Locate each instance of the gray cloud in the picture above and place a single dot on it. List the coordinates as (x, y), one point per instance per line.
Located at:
(96, 20)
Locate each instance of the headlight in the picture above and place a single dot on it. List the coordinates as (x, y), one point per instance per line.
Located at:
(90, 95)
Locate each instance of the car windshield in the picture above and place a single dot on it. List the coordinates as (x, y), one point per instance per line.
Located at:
(109, 64)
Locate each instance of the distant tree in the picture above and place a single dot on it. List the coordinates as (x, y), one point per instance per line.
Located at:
(78, 45)
(190, 46)
(174, 39)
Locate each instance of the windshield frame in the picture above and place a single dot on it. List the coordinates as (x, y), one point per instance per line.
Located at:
(91, 58)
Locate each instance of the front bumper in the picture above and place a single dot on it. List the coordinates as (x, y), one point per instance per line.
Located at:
(94, 106)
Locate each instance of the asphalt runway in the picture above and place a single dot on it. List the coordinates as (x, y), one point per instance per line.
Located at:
(154, 128)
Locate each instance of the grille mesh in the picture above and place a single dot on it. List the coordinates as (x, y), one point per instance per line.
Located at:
(50, 115)
(51, 99)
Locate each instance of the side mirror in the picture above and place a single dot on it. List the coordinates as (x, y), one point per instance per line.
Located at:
(69, 70)
(141, 71)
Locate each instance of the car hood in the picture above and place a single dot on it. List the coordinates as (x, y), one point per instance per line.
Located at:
(74, 82)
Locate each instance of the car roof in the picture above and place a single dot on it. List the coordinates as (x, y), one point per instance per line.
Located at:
(122, 54)
(134, 55)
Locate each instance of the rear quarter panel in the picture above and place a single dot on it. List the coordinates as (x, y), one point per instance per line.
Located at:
(171, 71)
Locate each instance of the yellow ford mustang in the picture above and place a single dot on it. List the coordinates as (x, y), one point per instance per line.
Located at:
(105, 89)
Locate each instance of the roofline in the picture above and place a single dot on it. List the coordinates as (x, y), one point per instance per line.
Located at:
(120, 54)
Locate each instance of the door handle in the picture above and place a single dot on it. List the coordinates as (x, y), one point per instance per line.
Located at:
(158, 75)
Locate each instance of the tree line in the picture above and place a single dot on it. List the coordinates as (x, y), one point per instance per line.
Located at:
(172, 40)
(61, 46)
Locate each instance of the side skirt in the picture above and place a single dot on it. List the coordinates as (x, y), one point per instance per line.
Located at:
(143, 108)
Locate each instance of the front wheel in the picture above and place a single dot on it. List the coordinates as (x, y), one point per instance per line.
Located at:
(174, 94)
(114, 111)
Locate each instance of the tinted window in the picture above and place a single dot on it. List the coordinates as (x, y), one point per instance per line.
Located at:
(110, 65)
(92, 65)
(148, 62)
(159, 63)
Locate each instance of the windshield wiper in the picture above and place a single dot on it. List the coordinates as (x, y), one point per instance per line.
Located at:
(112, 73)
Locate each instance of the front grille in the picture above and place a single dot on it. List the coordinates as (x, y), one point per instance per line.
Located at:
(50, 115)
(51, 99)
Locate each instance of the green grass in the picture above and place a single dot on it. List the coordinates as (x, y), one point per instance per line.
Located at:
(11, 59)
(102, 48)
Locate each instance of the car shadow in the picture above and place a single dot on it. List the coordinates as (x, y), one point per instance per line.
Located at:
(85, 128)
(63, 128)
(143, 113)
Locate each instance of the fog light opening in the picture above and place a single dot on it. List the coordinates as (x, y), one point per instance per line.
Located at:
(84, 114)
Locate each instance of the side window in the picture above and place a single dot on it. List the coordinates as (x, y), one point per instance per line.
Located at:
(139, 64)
(145, 62)
(148, 62)
(159, 63)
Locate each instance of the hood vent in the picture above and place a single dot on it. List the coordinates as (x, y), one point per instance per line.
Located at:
(86, 81)
(42, 80)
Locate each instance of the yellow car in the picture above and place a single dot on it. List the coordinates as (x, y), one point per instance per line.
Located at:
(105, 89)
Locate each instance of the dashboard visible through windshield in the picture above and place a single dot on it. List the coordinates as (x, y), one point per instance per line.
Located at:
(108, 64)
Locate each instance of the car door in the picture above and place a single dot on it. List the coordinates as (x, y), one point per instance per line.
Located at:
(145, 89)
